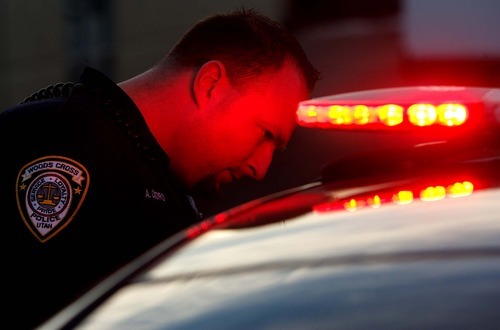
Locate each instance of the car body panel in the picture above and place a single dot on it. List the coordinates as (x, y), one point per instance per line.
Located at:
(413, 265)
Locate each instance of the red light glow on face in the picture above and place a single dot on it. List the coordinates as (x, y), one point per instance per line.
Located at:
(399, 197)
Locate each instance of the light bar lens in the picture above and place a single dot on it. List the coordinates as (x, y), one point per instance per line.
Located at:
(422, 114)
(452, 114)
(399, 197)
(418, 114)
(390, 114)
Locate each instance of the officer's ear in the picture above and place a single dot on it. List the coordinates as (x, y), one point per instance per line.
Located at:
(209, 79)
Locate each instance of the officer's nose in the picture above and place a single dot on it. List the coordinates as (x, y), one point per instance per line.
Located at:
(260, 161)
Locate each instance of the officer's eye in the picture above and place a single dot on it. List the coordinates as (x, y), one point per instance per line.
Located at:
(268, 135)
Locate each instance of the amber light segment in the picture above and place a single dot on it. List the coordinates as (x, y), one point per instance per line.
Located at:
(403, 197)
(351, 205)
(375, 202)
(307, 114)
(421, 114)
(452, 114)
(459, 189)
(433, 193)
(362, 115)
(390, 114)
(339, 115)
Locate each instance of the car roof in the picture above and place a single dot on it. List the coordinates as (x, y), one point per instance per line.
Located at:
(389, 251)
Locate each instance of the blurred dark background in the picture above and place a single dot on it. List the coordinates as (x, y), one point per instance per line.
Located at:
(356, 45)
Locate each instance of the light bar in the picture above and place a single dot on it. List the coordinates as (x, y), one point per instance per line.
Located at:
(399, 197)
(404, 107)
(417, 114)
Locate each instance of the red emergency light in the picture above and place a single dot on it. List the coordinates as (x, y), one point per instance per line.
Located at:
(402, 107)
(400, 197)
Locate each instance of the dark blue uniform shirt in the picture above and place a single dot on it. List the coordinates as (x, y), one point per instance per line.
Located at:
(85, 187)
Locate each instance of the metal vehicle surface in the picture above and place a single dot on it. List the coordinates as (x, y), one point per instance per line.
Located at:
(406, 236)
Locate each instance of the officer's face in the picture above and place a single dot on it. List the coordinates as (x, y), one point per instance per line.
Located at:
(244, 129)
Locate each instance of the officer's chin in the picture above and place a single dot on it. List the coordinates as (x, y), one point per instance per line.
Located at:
(209, 189)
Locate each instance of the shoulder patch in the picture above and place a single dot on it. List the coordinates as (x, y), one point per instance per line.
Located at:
(49, 192)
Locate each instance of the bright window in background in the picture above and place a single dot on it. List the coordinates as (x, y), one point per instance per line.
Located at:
(451, 29)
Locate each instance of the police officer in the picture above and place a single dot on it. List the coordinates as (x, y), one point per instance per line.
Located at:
(94, 173)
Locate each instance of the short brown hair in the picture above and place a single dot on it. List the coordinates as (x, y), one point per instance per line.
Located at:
(247, 42)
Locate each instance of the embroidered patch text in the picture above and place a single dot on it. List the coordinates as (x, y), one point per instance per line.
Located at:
(50, 191)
